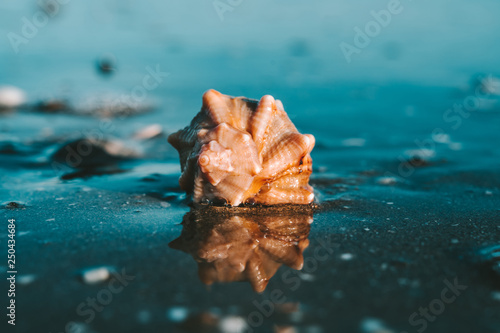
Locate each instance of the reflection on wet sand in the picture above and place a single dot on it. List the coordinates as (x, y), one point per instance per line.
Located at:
(243, 245)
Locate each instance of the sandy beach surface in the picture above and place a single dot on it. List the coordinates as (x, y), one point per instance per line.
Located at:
(404, 234)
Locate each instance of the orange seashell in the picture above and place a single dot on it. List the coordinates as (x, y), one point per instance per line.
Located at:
(244, 151)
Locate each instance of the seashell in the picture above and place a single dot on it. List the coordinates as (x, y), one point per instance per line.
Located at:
(240, 150)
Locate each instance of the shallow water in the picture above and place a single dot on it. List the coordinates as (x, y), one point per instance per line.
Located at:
(408, 193)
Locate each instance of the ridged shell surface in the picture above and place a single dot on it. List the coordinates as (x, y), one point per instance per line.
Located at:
(238, 150)
(243, 247)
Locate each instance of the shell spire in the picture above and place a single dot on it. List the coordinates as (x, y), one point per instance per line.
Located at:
(240, 150)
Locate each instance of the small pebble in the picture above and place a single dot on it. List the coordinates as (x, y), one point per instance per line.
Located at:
(346, 256)
(11, 97)
(148, 132)
(49, 7)
(386, 180)
(52, 106)
(232, 324)
(106, 64)
(95, 275)
(491, 85)
(441, 138)
(306, 276)
(422, 154)
(177, 314)
(14, 205)
(89, 153)
(374, 325)
(26, 279)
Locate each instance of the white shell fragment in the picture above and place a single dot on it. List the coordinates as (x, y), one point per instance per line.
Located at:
(11, 97)
(95, 275)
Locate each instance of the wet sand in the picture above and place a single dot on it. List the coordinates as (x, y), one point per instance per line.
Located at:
(404, 235)
(388, 233)
(377, 252)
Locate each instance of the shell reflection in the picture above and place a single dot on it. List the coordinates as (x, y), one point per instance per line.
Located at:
(244, 246)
